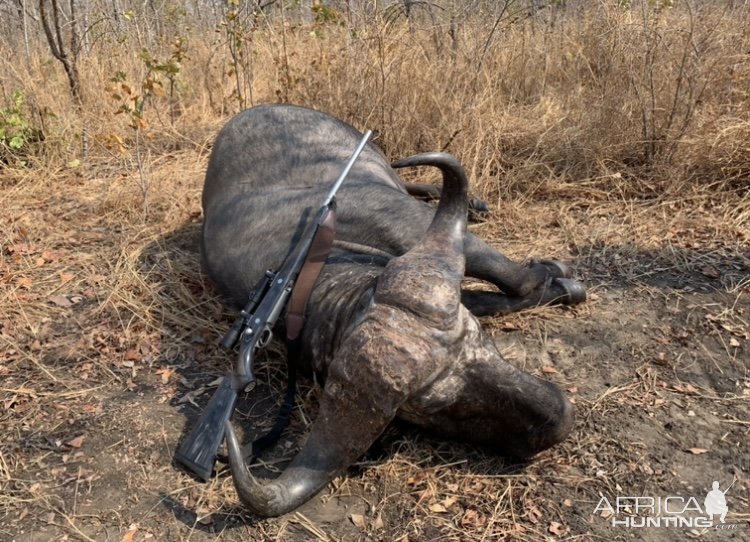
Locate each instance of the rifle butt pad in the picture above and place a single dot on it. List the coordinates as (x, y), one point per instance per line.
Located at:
(199, 449)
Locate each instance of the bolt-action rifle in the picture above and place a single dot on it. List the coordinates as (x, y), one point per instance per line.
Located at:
(253, 330)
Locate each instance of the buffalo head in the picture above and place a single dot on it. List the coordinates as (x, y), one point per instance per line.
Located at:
(414, 352)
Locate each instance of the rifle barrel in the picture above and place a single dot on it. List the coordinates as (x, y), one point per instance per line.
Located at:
(347, 168)
(730, 486)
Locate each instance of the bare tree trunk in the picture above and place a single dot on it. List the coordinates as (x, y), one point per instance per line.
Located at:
(67, 54)
(75, 33)
(84, 30)
(158, 27)
(58, 48)
(116, 11)
(27, 49)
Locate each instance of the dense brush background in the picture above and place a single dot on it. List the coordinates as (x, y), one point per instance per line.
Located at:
(611, 133)
(645, 97)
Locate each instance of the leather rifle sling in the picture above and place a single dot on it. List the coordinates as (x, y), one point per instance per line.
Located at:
(316, 258)
(295, 320)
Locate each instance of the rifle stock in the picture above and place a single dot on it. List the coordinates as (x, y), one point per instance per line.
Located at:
(198, 451)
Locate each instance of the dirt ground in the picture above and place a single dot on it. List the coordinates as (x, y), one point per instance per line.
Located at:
(108, 338)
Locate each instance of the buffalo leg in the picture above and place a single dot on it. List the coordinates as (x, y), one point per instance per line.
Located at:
(554, 291)
(361, 221)
(479, 210)
(488, 264)
(516, 280)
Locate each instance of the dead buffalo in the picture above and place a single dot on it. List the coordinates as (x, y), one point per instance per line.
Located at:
(389, 331)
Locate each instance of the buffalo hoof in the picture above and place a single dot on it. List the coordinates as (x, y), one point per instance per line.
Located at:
(575, 292)
(479, 210)
(555, 268)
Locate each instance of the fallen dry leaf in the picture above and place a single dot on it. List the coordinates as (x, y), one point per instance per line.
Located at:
(437, 508)
(449, 501)
(413, 480)
(53, 255)
(166, 373)
(76, 442)
(697, 451)
(25, 282)
(61, 300)
(358, 520)
(216, 382)
(191, 395)
(132, 355)
(423, 495)
(688, 388)
(558, 528)
(128, 536)
(534, 514)
(473, 520)
(711, 272)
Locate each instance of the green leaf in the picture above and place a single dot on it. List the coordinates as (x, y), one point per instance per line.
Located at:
(119, 77)
(16, 142)
(18, 99)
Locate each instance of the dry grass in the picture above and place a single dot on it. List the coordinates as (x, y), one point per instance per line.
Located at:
(642, 100)
(614, 138)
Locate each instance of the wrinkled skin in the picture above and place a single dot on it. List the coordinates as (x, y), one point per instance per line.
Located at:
(388, 330)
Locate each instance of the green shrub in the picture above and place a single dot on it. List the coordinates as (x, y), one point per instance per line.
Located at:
(16, 131)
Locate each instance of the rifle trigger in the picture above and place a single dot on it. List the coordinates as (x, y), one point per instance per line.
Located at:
(265, 337)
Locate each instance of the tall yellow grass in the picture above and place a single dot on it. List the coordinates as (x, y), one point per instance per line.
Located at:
(643, 99)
